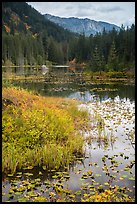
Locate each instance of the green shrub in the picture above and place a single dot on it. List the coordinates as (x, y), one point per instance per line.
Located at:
(38, 132)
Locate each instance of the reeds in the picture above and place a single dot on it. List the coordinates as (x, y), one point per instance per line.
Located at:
(39, 130)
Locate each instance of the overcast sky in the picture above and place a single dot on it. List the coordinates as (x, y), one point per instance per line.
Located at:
(112, 12)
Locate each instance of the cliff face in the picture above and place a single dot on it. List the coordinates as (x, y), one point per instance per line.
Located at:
(80, 26)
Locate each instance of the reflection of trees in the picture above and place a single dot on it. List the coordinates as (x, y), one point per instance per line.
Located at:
(76, 85)
(101, 142)
(122, 91)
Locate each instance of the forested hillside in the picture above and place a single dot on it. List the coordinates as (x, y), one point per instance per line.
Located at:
(29, 39)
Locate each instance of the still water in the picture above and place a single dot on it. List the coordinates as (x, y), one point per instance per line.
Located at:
(64, 83)
(109, 151)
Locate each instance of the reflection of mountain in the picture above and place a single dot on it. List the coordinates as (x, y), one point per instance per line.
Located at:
(84, 96)
(89, 96)
(80, 26)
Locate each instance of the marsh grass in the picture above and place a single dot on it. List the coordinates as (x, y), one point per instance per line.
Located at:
(39, 130)
(116, 75)
(6, 83)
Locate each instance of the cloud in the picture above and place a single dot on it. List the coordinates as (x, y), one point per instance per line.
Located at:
(112, 12)
(69, 7)
(129, 22)
(111, 9)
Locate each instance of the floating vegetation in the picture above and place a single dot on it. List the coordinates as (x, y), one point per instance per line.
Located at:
(132, 178)
(101, 89)
(28, 174)
(97, 175)
(107, 160)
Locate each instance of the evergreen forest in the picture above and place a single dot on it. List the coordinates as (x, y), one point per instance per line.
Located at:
(29, 39)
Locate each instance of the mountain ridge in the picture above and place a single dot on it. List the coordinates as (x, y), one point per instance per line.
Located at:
(81, 25)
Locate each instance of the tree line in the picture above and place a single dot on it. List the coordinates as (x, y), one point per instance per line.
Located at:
(28, 49)
(29, 39)
(108, 51)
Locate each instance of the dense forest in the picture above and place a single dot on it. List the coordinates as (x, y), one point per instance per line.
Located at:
(29, 39)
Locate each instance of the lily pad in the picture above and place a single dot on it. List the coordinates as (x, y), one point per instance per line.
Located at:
(28, 174)
(11, 191)
(131, 178)
(97, 175)
(44, 167)
(19, 173)
(54, 176)
(37, 179)
(19, 176)
(22, 199)
(65, 172)
(124, 176)
(10, 175)
(106, 184)
(66, 176)
(89, 173)
(78, 193)
(32, 193)
(82, 179)
(40, 173)
(18, 193)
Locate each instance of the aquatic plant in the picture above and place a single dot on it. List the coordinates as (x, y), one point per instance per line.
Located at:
(108, 195)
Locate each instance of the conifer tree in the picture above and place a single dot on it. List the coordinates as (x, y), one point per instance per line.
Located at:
(95, 60)
(112, 64)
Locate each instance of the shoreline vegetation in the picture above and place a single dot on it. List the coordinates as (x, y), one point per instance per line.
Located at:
(39, 131)
(48, 122)
(111, 76)
(45, 132)
(89, 76)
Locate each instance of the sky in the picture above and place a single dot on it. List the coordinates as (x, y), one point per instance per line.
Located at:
(117, 13)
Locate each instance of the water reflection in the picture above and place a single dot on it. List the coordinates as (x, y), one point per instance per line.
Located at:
(92, 96)
(84, 96)
(59, 82)
(116, 140)
(44, 69)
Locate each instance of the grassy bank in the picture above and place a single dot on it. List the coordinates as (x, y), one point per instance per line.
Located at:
(39, 131)
(111, 76)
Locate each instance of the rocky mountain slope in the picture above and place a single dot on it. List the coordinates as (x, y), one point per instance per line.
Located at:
(80, 26)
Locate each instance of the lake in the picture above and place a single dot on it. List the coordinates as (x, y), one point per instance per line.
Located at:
(109, 145)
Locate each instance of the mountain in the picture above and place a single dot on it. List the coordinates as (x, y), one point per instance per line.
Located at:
(80, 26)
(20, 17)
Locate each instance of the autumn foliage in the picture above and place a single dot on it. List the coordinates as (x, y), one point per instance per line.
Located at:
(39, 130)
